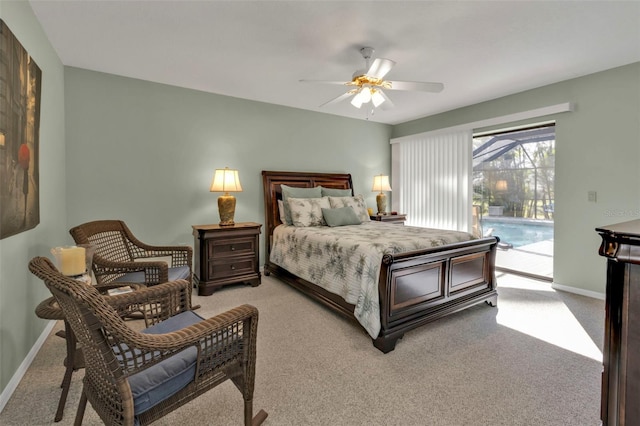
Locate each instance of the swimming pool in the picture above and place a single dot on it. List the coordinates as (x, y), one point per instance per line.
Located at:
(518, 233)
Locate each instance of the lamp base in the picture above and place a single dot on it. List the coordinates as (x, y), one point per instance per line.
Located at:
(226, 209)
(381, 200)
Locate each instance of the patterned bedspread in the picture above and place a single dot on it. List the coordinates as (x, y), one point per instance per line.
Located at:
(346, 260)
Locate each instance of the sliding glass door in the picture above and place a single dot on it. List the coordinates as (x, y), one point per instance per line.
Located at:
(514, 197)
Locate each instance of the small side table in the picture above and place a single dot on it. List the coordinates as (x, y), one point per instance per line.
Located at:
(397, 219)
(226, 255)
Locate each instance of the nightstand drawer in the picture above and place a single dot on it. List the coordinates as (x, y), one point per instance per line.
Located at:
(231, 247)
(231, 268)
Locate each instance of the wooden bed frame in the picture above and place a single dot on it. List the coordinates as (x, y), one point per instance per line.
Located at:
(415, 288)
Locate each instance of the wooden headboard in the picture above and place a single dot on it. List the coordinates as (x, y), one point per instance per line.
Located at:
(273, 192)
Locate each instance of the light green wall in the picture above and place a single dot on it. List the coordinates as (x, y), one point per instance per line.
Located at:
(597, 148)
(20, 291)
(145, 152)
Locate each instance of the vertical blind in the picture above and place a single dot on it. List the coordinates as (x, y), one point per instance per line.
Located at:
(432, 180)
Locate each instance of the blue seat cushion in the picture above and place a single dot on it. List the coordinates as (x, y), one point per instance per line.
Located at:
(175, 273)
(157, 383)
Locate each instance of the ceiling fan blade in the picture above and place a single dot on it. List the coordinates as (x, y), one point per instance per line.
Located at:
(339, 98)
(416, 86)
(342, 83)
(380, 67)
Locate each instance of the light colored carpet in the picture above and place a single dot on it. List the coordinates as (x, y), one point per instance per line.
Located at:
(534, 360)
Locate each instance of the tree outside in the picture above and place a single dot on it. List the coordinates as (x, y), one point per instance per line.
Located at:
(514, 174)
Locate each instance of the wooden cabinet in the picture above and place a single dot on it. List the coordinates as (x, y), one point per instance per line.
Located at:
(621, 355)
(226, 255)
(390, 218)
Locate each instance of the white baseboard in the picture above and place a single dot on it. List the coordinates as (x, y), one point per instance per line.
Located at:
(580, 291)
(24, 366)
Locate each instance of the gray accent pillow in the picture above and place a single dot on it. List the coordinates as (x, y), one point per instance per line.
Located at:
(294, 192)
(335, 192)
(341, 216)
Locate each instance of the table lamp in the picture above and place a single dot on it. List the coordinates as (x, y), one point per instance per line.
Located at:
(226, 180)
(380, 184)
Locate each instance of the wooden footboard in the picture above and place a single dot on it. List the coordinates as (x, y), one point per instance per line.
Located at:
(414, 288)
(419, 287)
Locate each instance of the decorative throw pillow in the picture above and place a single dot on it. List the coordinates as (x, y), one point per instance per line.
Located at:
(357, 203)
(308, 211)
(340, 216)
(335, 192)
(295, 192)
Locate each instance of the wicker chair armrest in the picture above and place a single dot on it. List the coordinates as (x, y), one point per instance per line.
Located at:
(124, 267)
(104, 288)
(156, 268)
(233, 326)
(193, 334)
(180, 255)
(156, 303)
(165, 249)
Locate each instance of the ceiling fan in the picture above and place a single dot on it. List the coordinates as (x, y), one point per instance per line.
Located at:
(367, 84)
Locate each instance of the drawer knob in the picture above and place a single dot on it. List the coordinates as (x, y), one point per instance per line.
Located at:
(233, 267)
(233, 248)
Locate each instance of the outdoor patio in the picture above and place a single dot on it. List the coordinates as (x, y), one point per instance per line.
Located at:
(531, 259)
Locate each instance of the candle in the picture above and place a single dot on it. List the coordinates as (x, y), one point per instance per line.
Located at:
(72, 260)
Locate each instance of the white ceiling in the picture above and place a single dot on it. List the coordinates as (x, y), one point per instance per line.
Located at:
(259, 50)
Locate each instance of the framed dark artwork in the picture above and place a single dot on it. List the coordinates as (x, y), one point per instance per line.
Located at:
(20, 88)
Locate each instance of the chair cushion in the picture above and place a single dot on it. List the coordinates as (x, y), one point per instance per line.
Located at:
(175, 273)
(157, 383)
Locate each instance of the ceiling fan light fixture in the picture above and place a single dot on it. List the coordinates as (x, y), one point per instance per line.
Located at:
(365, 94)
(357, 100)
(376, 98)
(367, 84)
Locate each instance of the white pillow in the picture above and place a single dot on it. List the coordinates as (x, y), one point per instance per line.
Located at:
(296, 192)
(308, 211)
(283, 219)
(357, 203)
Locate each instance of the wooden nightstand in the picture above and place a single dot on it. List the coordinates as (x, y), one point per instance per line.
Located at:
(391, 218)
(226, 255)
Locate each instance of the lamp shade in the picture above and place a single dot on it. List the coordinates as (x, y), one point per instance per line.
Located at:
(357, 100)
(381, 183)
(226, 180)
(376, 98)
(501, 185)
(365, 94)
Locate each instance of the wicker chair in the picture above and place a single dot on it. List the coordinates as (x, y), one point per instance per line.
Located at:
(120, 256)
(136, 377)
